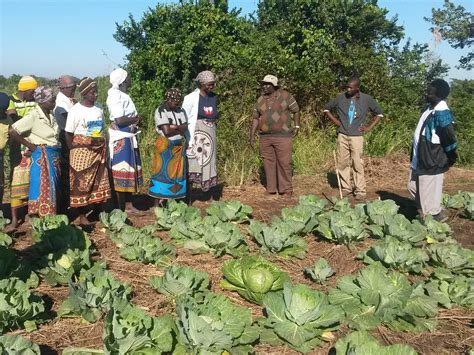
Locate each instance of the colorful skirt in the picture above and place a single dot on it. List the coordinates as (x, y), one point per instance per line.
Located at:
(20, 183)
(126, 164)
(202, 157)
(88, 176)
(44, 180)
(168, 180)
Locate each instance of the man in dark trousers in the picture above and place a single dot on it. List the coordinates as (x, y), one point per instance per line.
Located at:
(433, 151)
(272, 117)
(352, 108)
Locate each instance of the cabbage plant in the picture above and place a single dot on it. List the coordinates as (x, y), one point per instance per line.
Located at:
(230, 211)
(174, 211)
(320, 271)
(362, 343)
(437, 231)
(5, 240)
(214, 325)
(16, 344)
(400, 227)
(3, 221)
(179, 280)
(452, 256)
(343, 227)
(449, 289)
(252, 277)
(299, 317)
(45, 223)
(93, 294)
(378, 210)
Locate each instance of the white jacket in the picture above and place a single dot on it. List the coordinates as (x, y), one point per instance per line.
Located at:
(190, 106)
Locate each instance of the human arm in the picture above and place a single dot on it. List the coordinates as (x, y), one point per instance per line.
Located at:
(444, 124)
(23, 127)
(116, 104)
(69, 138)
(20, 139)
(254, 125)
(127, 121)
(377, 111)
(170, 130)
(331, 105)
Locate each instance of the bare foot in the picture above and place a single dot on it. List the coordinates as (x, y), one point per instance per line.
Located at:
(129, 209)
(82, 220)
(159, 202)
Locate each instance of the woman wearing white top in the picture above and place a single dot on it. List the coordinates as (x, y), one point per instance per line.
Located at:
(123, 146)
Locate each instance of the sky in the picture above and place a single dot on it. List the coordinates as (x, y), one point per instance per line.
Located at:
(50, 38)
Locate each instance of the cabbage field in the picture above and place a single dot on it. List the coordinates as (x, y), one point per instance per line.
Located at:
(316, 275)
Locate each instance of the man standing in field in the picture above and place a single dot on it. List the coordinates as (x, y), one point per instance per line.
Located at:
(352, 108)
(64, 102)
(272, 117)
(433, 151)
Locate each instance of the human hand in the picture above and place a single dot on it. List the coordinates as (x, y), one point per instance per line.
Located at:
(30, 149)
(364, 129)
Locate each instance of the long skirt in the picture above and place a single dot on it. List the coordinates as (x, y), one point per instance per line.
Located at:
(44, 180)
(126, 164)
(168, 180)
(20, 183)
(202, 158)
(89, 179)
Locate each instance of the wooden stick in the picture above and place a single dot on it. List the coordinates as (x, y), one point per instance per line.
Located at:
(337, 174)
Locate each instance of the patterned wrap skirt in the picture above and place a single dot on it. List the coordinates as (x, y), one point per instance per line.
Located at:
(202, 157)
(20, 183)
(168, 179)
(44, 180)
(88, 176)
(126, 163)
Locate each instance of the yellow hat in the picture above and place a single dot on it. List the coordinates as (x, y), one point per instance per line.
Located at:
(27, 83)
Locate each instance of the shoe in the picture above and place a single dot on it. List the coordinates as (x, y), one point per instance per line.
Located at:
(440, 217)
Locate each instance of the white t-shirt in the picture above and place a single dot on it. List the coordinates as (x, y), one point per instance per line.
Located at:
(165, 116)
(63, 105)
(85, 121)
(120, 104)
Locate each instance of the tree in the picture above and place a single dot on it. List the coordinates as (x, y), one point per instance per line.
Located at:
(456, 25)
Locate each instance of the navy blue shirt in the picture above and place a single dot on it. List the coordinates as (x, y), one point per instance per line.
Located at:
(207, 108)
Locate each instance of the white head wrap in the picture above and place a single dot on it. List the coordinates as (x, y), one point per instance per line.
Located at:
(205, 77)
(117, 77)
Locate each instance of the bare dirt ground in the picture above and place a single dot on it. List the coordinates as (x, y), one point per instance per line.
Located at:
(386, 178)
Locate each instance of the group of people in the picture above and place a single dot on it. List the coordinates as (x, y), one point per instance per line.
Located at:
(63, 159)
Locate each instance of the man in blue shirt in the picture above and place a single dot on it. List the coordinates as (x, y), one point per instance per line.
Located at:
(352, 108)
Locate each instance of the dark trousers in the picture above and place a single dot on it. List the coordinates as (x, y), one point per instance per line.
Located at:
(276, 154)
(64, 174)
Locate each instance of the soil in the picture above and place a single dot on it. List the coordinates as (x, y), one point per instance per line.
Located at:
(386, 178)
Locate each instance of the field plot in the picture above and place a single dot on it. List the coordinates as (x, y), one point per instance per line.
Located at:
(393, 279)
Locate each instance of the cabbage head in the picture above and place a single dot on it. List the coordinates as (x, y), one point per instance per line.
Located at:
(252, 277)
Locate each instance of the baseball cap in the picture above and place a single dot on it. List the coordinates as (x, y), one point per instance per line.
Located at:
(272, 79)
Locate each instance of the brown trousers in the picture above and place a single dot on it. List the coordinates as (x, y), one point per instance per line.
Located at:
(349, 157)
(276, 154)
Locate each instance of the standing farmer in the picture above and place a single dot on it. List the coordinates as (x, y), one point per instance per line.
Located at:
(433, 151)
(352, 108)
(272, 118)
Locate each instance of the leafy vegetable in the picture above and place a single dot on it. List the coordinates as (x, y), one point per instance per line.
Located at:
(378, 210)
(303, 215)
(437, 231)
(209, 234)
(46, 223)
(5, 240)
(362, 343)
(320, 271)
(149, 250)
(397, 254)
(179, 280)
(129, 330)
(449, 289)
(230, 211)
(16, 344)
(299, 316)
(93, 294)
(343, 227)
(401, 228)
(314, 202)
(12, 266)
(3, 221)
(280, 238)
(19, 308)
(113, 221)
(469, 205)
(376, 295)
(453, 257)
(174, 212)
(455, 201)
(215, 325)
(252, 277)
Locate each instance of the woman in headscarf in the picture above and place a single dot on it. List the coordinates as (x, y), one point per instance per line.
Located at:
(202, 112)
(168, 180)
(38, 131)
(123, 146)
(89, 181)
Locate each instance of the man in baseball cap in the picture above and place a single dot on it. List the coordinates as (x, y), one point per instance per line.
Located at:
(272, 116)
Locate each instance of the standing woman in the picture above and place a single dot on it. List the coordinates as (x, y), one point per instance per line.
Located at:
(168, 180)
(38, 131)
(201, 109)
(123, 146)
(89, 179)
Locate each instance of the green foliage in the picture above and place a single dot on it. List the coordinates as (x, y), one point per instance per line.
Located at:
(437, 231)
(3, 221)
(114, 221)
(401, 228)
(399, 255)
(362, 343)
(16, 344)
(298, 316)
(377, 295)
(179, 280)
(5, 240)
(19, 308)
(449, 289)
(48, 222)
(215, 325)
(279, 238)
(230, 211)
(452, 256)
(12, 266)
(166, 217)
(93, 294)
(128, 329)
(320, 271)
(378, 210)
(252, 277)
(343, 225)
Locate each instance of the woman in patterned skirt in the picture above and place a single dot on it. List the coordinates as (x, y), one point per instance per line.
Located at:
(123, 145)
(168, 180)
(202, 112)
